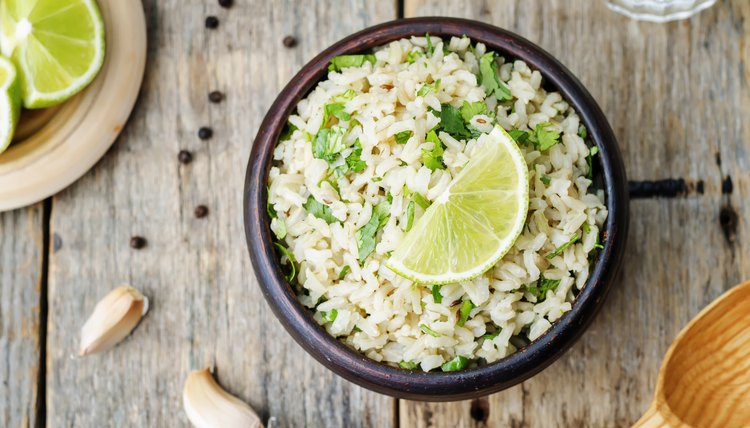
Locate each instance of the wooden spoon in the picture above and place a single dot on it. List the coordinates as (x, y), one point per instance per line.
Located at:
(704, 380)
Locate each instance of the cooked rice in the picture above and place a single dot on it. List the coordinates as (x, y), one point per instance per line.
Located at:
(378, 312)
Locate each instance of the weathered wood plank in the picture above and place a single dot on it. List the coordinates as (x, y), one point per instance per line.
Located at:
(21, 254)
(677, 96)
(206, 308)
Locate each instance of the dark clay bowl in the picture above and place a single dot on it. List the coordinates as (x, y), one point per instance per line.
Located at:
(526, 362)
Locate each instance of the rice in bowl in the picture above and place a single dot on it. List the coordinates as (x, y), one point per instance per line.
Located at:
(360, 163)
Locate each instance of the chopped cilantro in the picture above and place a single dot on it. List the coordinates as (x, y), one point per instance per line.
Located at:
(433, 159)
(490, 336)
(543, 138)
(346, 96)
(366, 235)
(334, 110)
(319, 210)
(436, 296)
(586, 230)
(409, 216)
(545, 179)
(408, 365)
(329, 316)
(428, 87)
(428, 330)
(403, 137)
(469, 110)
(490, 79)
(452, 122)
(464, 312)
(354, 160)
(421, 200)
(562, 247)
(356, 329)
(344, 271)
(377, 179)
(521, 137)
(269, 207)
(430, 48)
(344, 61)
(329, 143)
(291, 271)
(582, 131)
(543, 285)
(412, 56)
(456, 364)
(280, 231)
(287, 132)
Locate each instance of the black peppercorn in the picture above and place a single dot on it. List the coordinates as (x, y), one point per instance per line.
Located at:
(204, 133)
(215, 96)
(185, 157)
(225, 3)
(137, 242)
(289, 41)
(200, 211)
(212, 22)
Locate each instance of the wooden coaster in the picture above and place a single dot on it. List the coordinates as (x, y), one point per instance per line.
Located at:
(57, 146)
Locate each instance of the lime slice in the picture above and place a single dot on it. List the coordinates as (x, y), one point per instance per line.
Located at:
(57, 46)
(474, 222)
(10, 102)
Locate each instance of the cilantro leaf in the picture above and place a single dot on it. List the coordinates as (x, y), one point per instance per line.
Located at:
(469, 110)
(428, 330)
(436, 296)
(336, 110)
(408, 365)
(354, 160)
(464, 312)
(428, 87)
(319, 210)
(329, 143)
(344, 61)
(403, 137)
(433, 159)
(366, 234)
(458, 363)
(586, 230)
(412, 56)
(543, 138)
(562, 247)
(287, 132)
(421, 200)
(344, 271)
(291, 270)
(590, 160)
(521, 137)
(452, 122)
(582, 131)
(329, 316)
(489, 78)
(546, 179)
(430, 48)
(409, 216)
(346, 96)
(543, 285)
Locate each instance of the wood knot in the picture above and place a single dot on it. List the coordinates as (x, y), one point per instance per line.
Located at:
(480, 409)
(728, 222)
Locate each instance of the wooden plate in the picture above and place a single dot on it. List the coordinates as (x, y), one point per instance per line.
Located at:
(57, 146)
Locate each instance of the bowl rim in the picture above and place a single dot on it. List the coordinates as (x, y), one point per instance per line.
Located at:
(418, 385)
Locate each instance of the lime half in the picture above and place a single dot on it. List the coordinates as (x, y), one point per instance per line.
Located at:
(475, 222)
(10, 102)
(57, 46)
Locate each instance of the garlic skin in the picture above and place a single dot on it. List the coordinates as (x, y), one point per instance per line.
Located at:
(208, 405)
(114, 317)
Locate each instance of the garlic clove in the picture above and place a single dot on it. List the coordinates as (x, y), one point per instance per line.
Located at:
(209, 406)
(114, 317)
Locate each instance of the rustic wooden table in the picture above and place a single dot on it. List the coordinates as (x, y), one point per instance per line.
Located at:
(677, 95)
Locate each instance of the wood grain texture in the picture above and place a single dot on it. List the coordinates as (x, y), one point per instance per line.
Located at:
(21, 253)
(206, 308)
(678, 97)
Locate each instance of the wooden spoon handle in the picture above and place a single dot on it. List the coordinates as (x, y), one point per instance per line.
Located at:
(656, 418)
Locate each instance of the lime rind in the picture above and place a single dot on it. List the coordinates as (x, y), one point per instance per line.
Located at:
(460, 216)
(35, 46)
(10, 102)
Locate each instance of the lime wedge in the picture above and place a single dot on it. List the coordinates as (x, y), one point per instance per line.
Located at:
(57, 46)
(10, 102)
(474, 222)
